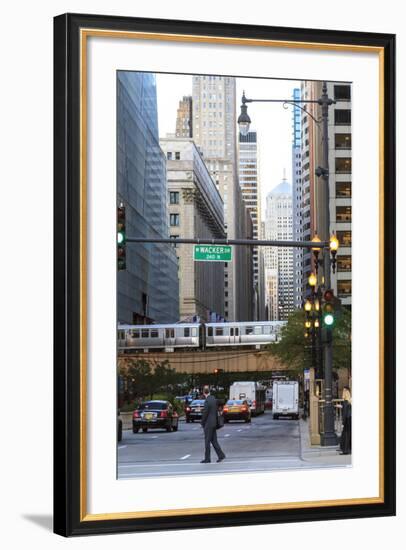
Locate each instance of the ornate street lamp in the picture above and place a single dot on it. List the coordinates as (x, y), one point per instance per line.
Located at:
(316, 252)
(334, 244)
(244, 120)
(312, 281)
(308, 306)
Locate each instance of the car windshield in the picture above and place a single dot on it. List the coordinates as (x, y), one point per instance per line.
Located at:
(197, 402)
(235, 402)
(155, 405)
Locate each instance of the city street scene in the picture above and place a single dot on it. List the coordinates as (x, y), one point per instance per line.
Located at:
(233, 274)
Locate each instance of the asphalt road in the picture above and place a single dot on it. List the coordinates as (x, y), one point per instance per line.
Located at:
(264, 444)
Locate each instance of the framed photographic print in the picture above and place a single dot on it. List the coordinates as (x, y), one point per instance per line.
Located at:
(224, 274)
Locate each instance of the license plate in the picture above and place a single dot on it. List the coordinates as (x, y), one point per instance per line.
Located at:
(234, 410)
(148, 416)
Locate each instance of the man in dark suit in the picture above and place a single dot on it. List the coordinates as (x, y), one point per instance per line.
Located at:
(209, 423)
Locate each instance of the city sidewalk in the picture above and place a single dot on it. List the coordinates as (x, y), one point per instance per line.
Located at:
(317, 453)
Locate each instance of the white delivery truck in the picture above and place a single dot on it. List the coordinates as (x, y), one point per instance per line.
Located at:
(285, 399)
(251, 391)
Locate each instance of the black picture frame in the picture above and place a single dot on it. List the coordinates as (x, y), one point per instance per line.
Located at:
(68, 519)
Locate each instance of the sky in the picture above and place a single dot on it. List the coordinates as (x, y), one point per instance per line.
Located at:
(273, 123)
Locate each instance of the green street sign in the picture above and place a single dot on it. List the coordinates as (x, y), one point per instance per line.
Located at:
(212, 253)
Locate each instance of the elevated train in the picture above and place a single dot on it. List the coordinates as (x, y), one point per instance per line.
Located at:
(198, 335)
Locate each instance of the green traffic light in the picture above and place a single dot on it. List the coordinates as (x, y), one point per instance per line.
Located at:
(329, 319)
(120, 238)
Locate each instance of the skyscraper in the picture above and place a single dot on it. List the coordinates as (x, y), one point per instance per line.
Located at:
(340, 184)
(147, 290)
(297, 203)
(184, 125)
(214, 132)
(248, 178)
(279, 260)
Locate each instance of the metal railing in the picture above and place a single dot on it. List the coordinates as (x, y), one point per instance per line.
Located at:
(338, 415)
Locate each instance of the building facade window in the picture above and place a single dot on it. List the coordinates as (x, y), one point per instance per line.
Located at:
(343, 165)
(174, 197)
(174, 237)
(342, 92)
(174, 220)
(343, 189)
(169, 155)
(177, 155)
(344, 238)
(344, 288)
(342, 141)
(342, 117)
(344, 263)
(343, 213)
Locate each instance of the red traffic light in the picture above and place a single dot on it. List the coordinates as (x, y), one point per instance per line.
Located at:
(329, 295)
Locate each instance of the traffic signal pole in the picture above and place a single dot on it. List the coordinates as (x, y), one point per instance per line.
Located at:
(329, 436)
(232, 242)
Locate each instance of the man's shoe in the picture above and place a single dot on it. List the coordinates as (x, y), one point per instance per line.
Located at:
(205, 461)
(221, 459)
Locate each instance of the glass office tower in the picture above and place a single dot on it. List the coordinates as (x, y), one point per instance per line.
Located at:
(148, 289)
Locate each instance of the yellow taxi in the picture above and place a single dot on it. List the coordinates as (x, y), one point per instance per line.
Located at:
(237, 409)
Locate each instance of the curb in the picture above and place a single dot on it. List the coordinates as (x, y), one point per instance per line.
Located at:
(308, 451)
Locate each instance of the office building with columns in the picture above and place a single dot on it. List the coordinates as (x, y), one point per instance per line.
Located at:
(196, 210)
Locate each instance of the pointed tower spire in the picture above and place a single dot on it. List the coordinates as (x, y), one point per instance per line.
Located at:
(284, 174)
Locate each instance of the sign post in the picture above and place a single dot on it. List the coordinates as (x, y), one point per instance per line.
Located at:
(212, 253)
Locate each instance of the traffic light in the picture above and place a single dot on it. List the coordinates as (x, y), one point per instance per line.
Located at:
(328, 308)
(121, 251)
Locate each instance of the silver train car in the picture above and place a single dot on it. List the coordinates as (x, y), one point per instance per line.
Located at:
(198, 335)
(248, 333)
(178, 335)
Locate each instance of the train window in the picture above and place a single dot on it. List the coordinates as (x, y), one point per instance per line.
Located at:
(144, 333)
(237, 330)
(121, 335)
(135, 333)
(170, 333)
(219, 332)
(154, 333)
(231, 332)
(258, 330)
(210, 331)
(267, 329)
(186, 332)
(249, 330)
(194, 331)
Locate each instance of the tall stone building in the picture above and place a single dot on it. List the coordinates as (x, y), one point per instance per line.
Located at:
(214, 132)
(195, 210)
(184, 122)
(249, 183)
(297, 203)
(340, 182)
(278, 260)
(147, 290)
